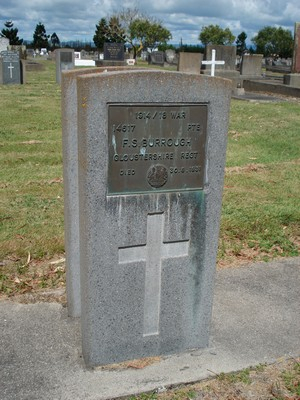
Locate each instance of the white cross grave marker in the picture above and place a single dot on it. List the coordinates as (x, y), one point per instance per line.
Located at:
(213, 62)
(10, 70)
(152, 253)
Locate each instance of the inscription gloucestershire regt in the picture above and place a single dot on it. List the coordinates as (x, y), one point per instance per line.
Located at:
(156, 147)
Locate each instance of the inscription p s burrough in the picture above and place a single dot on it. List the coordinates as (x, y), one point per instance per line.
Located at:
(156, 147)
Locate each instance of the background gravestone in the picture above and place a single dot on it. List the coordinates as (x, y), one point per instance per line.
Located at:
(4, 43)
(156, 58)
(251, 65)
(190, 62)
(171, 57)
(113, 51)
(113, 55)
(65, 60)
(223, 53)
(151, 168)
(228, 70)
(11, 69)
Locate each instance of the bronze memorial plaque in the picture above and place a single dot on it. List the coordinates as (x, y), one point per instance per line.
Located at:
(156, 148)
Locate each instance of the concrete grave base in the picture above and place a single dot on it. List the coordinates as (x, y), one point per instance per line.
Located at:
(255, 321)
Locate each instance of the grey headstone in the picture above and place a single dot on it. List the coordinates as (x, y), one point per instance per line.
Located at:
(190, 62)
(251, 64)
(10, 68)
(151, 165)
(65, 60)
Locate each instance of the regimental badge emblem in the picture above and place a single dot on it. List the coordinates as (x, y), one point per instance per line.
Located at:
(157, 176)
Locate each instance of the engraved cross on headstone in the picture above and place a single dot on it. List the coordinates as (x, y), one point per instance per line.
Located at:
(10, 70)
(213, 62)
(152, 254)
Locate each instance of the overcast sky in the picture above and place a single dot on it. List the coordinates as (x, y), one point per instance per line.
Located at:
(76, 19)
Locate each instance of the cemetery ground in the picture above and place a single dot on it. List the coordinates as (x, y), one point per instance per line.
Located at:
(260, 214)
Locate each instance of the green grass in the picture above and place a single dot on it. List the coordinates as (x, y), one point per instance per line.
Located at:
(261, 213)
(263, 133)
(260, 216)
(31, 173)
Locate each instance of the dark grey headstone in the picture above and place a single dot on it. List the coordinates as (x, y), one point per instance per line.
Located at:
(114, 51)
(10, 68)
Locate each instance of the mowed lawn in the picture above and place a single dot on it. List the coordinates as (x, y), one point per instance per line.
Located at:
(261, 213)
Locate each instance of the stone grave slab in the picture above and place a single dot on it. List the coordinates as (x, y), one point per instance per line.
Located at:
(151, 168)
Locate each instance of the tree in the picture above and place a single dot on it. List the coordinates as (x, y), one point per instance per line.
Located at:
(149, 34)
(100, 34)
(54, 39)
(214, 34)
(115, 31)
(40, 38)
(240, 42)
(11, 34)
(272, 41)
(135, 28)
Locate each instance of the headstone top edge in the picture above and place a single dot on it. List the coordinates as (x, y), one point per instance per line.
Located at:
(200, 77)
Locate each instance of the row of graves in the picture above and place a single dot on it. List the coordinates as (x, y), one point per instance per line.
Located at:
(216, 61)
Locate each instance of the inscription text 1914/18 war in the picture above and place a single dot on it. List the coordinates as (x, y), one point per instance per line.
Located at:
(156, 147)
